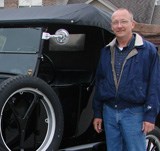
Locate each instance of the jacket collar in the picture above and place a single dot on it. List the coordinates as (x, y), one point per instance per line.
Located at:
(138, 41)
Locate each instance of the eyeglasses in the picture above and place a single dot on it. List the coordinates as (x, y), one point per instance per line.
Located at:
(121, 22)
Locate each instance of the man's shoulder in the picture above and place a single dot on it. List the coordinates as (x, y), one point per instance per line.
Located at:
(111, 44)
(149, 46)
(143, 43)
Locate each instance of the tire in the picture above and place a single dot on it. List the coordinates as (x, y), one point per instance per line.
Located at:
(153, 140)
(31, 115)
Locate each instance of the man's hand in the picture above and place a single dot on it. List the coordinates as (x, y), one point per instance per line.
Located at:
(97, 123)
(147, 127)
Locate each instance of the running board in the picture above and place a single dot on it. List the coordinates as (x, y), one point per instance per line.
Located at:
(98, 146)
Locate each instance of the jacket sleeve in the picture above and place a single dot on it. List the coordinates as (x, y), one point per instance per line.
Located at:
(152, 104)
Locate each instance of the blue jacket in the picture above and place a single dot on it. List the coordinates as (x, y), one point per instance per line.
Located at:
(139, 82)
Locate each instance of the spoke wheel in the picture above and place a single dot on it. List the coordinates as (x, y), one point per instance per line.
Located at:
(153, 140)
(31, 115)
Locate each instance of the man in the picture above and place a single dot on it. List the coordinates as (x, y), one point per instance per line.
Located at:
(127, 87)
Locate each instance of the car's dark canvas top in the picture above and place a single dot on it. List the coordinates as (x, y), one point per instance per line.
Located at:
(80, 14)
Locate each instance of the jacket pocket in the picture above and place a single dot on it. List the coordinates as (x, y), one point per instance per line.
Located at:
(134, 92)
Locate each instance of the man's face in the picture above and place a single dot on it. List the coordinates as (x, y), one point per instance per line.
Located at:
(122, 23)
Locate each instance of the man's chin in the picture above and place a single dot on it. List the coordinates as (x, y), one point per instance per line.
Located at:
(120, 35)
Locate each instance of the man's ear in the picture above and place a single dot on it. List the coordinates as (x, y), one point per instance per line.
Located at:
(133, 24)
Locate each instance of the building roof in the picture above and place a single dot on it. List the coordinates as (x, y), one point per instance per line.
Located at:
(156, 14)
(142, 9)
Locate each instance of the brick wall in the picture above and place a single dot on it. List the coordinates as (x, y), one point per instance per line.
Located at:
(14, 3)
(49, 2)
(8, 3)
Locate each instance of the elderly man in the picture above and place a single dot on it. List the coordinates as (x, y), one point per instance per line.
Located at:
(127, 87)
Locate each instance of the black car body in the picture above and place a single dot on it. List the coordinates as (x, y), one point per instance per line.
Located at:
(47, 87)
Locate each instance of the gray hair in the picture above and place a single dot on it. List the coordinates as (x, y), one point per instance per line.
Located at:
(131, 14)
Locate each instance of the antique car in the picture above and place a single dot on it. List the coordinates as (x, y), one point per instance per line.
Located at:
(48, 60)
